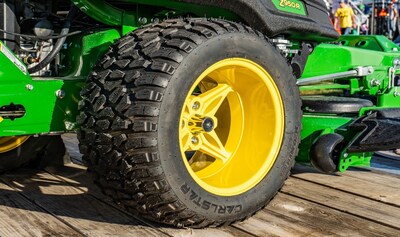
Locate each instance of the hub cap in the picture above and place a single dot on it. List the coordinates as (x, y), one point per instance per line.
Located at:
(231, 127)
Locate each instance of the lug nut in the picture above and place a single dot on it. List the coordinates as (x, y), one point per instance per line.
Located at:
(195, 140)
(196, 105)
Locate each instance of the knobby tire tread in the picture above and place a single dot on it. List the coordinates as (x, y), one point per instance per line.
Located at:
(119, 111)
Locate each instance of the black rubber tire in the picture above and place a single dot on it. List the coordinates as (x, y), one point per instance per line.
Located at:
(334, 104)
(324, 153)
(36, 151)
(130, 120)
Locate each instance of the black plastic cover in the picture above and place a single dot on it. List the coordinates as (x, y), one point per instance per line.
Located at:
(264, 16)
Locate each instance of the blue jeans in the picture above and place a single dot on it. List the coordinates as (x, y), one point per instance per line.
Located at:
(345, 31)
(391, 28)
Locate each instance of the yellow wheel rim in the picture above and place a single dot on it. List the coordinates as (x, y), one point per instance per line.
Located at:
(10, 143)
(231, 127)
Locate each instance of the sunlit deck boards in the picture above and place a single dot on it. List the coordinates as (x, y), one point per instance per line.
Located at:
(65, 202)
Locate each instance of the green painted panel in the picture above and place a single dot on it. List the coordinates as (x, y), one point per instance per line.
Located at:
(82, 52)
(101, 11)
(315, 126)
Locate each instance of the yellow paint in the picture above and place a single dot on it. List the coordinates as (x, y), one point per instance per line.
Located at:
(10, 143)
(245, 107)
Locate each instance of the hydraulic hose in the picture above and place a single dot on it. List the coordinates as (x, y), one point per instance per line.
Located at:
(60, 42)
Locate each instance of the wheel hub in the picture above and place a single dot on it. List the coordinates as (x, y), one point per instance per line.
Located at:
(198, 124)
(208, 124)
(220, 154)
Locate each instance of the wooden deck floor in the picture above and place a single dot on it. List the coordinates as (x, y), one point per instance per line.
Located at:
(64, 202)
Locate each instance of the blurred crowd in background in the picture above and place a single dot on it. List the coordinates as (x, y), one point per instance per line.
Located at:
(364, 17)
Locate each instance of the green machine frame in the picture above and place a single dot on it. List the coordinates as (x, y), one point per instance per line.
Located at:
(50, 105)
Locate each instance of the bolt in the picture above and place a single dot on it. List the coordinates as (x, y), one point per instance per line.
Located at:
(345, 155)
(69, 125)
(370, 70)
(196, 105)
(396, 94)
(142, 20)
(396, 62)
(195, 140)
(60, 94)
(375, 82)
(29, 87)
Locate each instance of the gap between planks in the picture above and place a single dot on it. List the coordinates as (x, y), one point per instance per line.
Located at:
(363, 183)
(76, 176)
(74, 207)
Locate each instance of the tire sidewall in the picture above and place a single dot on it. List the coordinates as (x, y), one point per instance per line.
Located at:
(230, 45)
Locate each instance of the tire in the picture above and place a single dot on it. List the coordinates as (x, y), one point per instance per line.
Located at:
(134, 122)
(325, 152)
(36, 151)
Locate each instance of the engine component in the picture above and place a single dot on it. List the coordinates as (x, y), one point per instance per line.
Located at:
(8, 22)
(43, 29)
(58, 45)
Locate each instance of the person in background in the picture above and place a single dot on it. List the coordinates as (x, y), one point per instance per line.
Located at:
(392, 20)
(345, 16)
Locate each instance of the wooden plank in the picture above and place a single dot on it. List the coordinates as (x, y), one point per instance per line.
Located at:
(90, 216)
(371, 210)
(20, 217)
(266, 223)
(286, 215)
(326, 219)
(375, 178)
(379, 188)
(76, 175)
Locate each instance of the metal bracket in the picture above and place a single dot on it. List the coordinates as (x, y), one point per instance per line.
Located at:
(300, 59)
(357, 72)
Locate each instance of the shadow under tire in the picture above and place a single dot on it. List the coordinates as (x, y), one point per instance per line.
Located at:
(32, 151)
(167, 115)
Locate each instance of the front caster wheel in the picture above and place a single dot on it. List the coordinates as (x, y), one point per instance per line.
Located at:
(191, 122)
(325, 152)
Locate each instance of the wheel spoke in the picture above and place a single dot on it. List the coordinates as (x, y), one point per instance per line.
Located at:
(212, 146)
(185, 134)
(210, 101)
